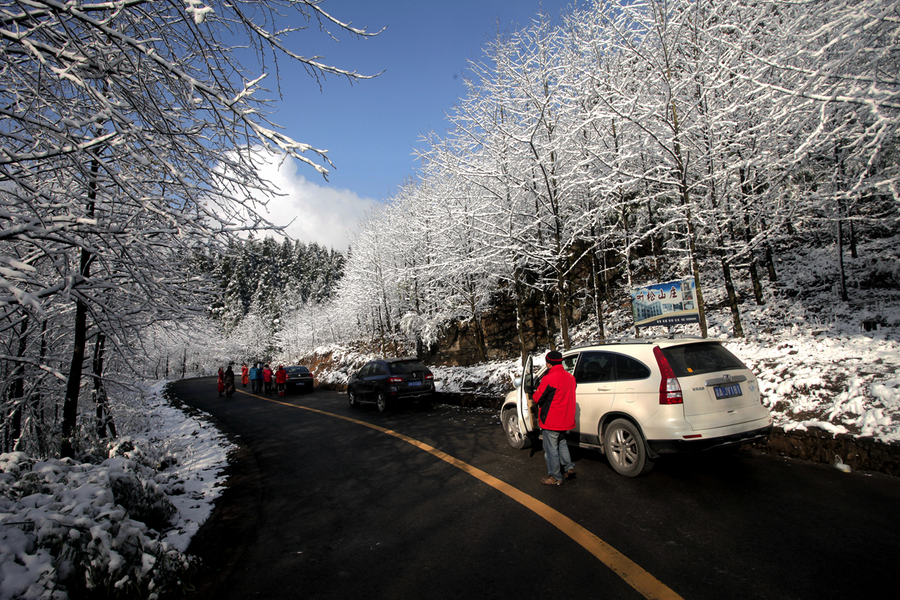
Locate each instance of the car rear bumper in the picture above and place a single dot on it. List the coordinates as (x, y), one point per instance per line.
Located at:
(411, 395)
(658, 447)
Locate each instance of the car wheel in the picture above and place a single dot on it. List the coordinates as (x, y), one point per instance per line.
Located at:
(625, 449)
(516, 439)
(381, 402)
(351, 393)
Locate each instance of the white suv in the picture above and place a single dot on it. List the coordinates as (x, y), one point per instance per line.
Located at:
(640, 398)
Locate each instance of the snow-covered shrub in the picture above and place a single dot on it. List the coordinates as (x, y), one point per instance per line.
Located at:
(143, 500)
(70, 529)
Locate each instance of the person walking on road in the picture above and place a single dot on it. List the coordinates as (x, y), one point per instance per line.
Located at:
(555, 398)
(229, 382)
(267, 379)
(256, 379)
(221, 383)
(280, 380)
(245, 375)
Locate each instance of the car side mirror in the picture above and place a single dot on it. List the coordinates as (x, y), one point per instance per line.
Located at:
(528, 383)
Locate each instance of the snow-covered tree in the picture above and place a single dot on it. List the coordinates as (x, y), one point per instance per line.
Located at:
(126, 148)
(636, 142)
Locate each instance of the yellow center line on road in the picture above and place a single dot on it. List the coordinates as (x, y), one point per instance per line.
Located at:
(639, 579)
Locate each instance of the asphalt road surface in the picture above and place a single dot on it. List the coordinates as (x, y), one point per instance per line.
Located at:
(330, 502)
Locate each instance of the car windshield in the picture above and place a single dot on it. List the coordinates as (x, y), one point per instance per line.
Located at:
(407, 366)
(296, 370)
(703, 357)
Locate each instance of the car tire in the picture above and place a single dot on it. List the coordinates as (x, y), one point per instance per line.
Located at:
(381, 402)
(625, 449)
(351, 393)
(510, 420)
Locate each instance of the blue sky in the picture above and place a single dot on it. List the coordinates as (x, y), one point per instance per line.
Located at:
(370, 128)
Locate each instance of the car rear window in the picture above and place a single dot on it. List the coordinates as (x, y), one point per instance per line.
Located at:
(407, 366)
(296, 370)
(702, 357)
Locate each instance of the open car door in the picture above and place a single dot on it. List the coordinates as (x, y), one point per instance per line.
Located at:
(525, 401)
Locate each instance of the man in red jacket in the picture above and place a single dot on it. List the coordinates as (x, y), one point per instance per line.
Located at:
(555, 398)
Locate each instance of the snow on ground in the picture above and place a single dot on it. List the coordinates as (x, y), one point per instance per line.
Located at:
(844, 383)
(59, 516)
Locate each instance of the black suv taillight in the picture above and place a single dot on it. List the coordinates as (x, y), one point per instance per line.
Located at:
(669, 388)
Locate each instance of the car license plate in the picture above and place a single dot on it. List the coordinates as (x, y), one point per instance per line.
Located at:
(414, 383)
(727, 391)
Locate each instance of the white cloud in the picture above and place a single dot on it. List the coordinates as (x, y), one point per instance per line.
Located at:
(320, 214)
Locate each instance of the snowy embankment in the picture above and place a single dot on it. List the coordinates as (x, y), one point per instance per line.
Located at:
(122, 525)
(846, 383)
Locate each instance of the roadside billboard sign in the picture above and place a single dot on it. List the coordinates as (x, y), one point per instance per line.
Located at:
(666, 304)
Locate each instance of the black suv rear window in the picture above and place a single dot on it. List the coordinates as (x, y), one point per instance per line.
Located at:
(702, 357)
(407, 366)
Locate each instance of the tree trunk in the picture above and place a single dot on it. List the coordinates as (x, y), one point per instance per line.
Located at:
(838, 187)
(695, 264)
(746, 190)
(598, 300)
(73, 384)
(39, 418)
(520, 317)
(840, 252)
(563, 310)
(548, 319)
(479, 326)
(104, 418)
(770, 264)
(732, 299)
(755, 282)
(18, 386)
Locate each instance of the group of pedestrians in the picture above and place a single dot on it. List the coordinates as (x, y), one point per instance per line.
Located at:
(261, 379)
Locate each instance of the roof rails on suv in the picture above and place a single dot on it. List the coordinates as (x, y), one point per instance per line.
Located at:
(641, 340)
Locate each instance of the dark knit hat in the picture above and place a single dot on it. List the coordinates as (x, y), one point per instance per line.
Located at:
(553, 358)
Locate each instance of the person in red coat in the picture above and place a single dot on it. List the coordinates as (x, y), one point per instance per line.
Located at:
(245, 375)
(555, 398)
(221, 384)
(267, 379)
(280, 380)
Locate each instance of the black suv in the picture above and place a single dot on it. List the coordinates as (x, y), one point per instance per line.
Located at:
(389, 381)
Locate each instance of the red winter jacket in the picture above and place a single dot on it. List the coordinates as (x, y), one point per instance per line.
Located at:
(556, 398)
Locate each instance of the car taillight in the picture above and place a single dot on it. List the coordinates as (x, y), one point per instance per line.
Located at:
(429, 376)
(669, 388)
(395, 380)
